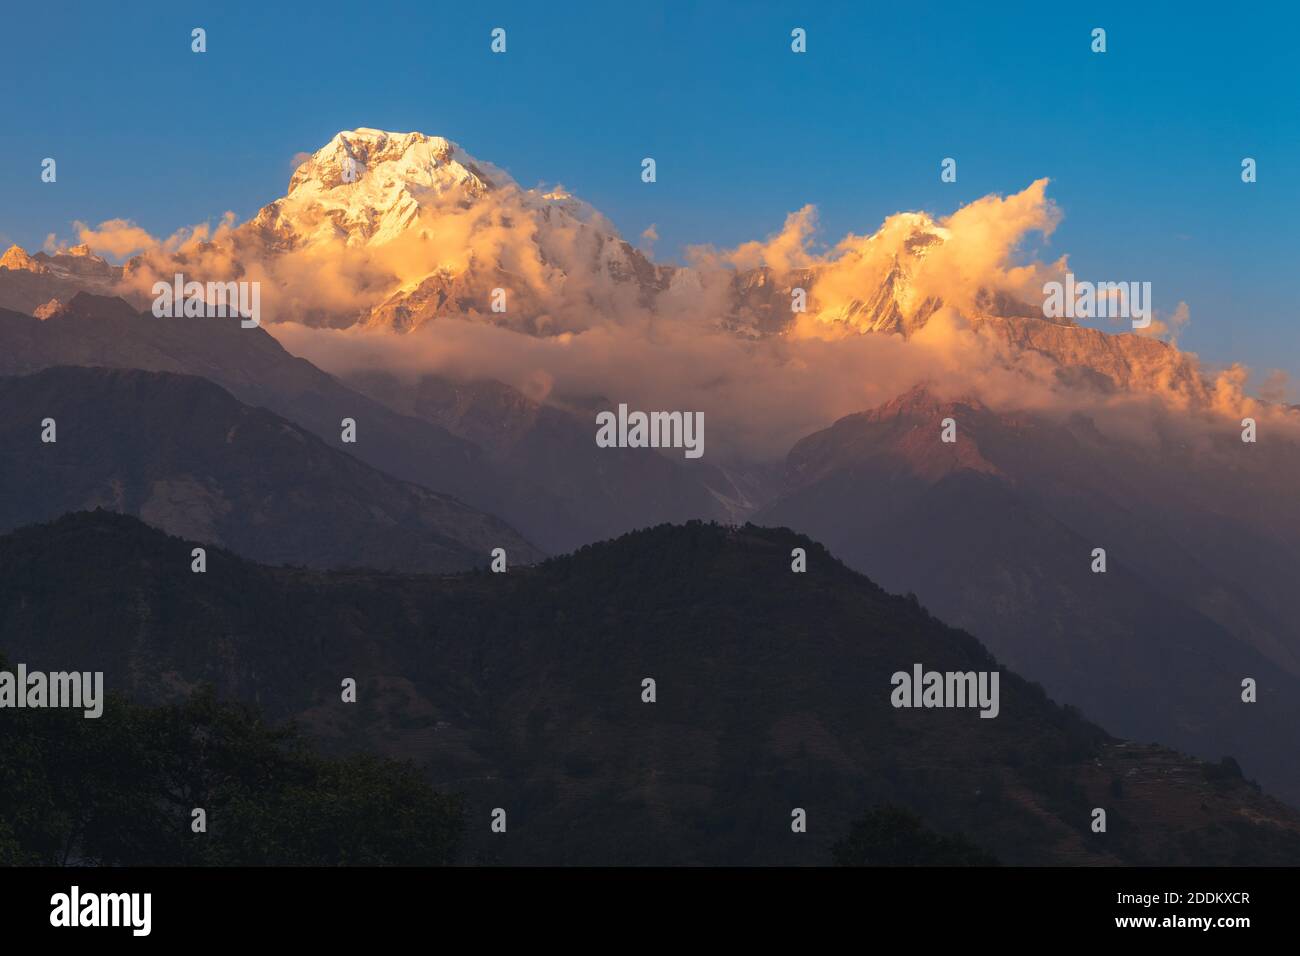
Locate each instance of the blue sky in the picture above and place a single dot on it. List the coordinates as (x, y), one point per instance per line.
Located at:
(1143, 144)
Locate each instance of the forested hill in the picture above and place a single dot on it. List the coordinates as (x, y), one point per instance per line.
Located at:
(525, 691)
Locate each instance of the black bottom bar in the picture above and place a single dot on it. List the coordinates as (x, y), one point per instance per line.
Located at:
(495, 904)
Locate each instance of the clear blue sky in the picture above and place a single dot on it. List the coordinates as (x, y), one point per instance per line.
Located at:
(1143, 144)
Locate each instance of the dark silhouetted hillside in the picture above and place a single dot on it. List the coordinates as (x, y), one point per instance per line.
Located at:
(121, 790)
(995, 533)
(523, 691)
(183, 455)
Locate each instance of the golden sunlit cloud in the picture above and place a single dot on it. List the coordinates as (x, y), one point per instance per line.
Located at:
(577, 328)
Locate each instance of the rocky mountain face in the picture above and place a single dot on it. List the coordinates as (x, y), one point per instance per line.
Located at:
(365, 188)
(40, 282)
(390, 231)
(555, 256)
(183, 455)
(996, 532)
(1091, 360)
(525, 690)
(441, 230)
(401, 192)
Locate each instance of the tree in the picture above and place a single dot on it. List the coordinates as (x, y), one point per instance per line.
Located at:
(119, 791)
(889, 835)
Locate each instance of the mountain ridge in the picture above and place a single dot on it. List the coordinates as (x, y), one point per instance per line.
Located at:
(523, 691)
(997, 532)
(424, 231)
(186, 456)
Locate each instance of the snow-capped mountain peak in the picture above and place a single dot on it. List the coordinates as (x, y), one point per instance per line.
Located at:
(17, 259)
(436, 231)
(415, 159)
(367, 186)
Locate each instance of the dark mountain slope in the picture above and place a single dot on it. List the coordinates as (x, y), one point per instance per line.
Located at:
(523, 691)
(182, 454)
(996, 533)
(608, 491)
(99, 331)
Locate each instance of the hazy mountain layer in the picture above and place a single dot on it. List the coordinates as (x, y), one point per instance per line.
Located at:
(183, 455)
(541, 472)
(253, 367)
(996, 532)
